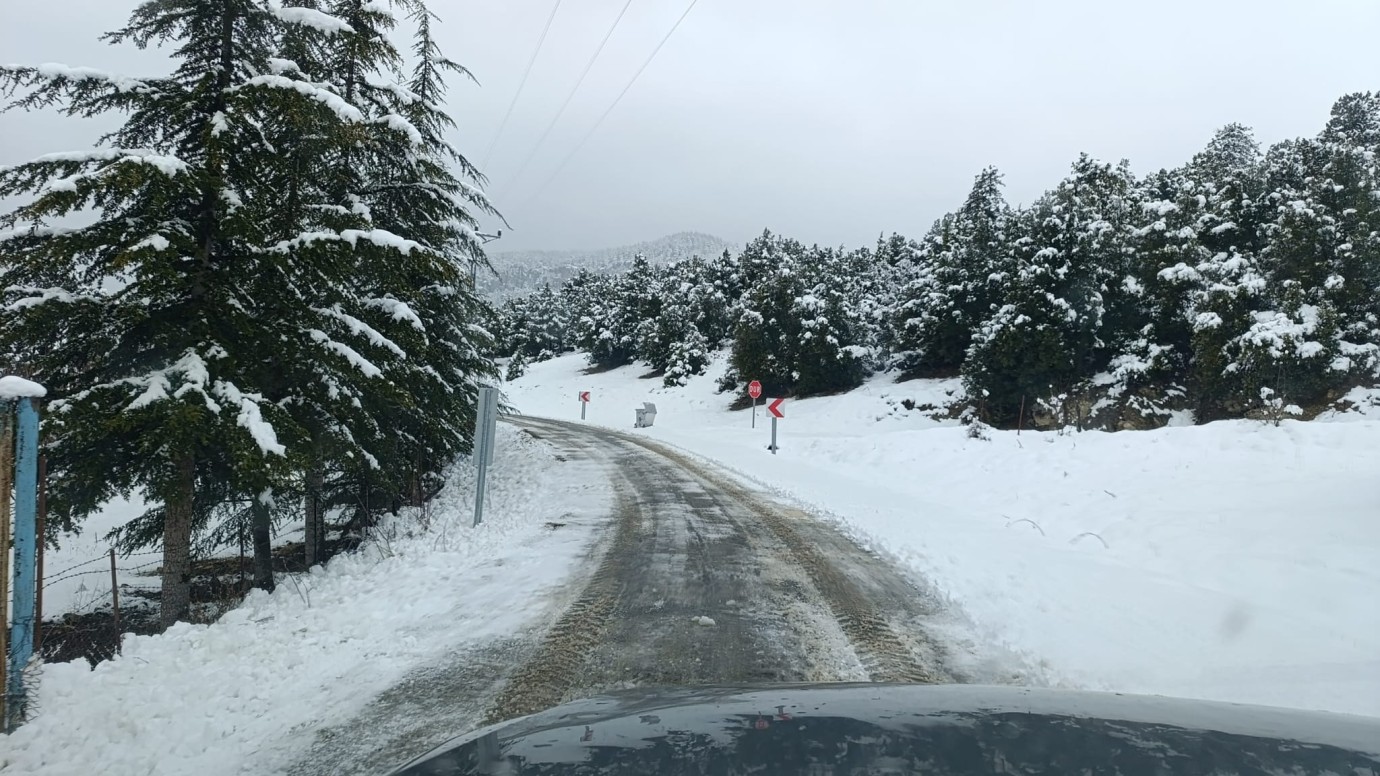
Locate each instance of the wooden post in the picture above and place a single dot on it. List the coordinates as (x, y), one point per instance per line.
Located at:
(42, 539)
(315, 539)
(242, 587)
(115, 599)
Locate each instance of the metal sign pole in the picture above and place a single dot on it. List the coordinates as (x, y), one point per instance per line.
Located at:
(754, 412)
(485, 429)
(773, 435)
(583, 404)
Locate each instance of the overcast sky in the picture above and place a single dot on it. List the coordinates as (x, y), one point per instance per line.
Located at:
(827, 120)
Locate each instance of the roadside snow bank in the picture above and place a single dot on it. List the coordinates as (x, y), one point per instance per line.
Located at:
(1233, 561)
(248, 693)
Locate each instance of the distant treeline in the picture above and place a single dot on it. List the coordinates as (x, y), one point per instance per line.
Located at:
(1242, 282)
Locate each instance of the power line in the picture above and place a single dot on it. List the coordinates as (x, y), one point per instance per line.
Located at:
(616, 100)
(521, 85)
(588, 66)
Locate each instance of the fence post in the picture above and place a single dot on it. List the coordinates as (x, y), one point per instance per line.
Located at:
(25, 536)
(115, 599)
(6, 479)
(42, 533)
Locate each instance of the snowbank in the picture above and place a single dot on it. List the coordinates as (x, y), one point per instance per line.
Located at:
(247, 694)
(1233, 561)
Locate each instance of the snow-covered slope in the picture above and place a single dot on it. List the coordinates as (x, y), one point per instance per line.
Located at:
(250, 693)
(1233, 561)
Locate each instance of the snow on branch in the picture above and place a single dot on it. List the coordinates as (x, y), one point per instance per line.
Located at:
(170, 166)
(56, 72)
(398, 123)
(398, 310)
(337, 105)
(380, 237)
(357, 327)
(36, 232)
(401, 93)
(250, 418)
(1280, 335)
(38, 296)
(308, 17)
(190, 370)
(281, 66)
(350, 354)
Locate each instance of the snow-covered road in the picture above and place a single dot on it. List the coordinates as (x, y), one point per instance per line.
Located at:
(707, 580)
(1230, 561)
(697, 579)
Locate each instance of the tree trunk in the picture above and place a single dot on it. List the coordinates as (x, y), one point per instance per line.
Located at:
(262, 530)
(418, 498)
(316, 519)
(177, 545)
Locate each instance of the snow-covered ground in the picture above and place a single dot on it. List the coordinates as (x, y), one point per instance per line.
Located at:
(248, 694)
(1234, 561)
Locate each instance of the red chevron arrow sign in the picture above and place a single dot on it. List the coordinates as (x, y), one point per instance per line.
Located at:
(775, 408)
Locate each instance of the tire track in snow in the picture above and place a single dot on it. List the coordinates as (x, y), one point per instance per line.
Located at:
(810, 605)
(886, 655)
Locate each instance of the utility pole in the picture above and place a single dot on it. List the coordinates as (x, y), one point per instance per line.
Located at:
(474, 263)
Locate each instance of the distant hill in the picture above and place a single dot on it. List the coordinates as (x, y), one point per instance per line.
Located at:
(522, 272)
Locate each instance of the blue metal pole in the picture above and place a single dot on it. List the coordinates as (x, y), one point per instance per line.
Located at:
(25, 553)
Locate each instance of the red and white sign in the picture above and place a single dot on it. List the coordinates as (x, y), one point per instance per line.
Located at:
(584, 396)
(775, 408)
(755, 389)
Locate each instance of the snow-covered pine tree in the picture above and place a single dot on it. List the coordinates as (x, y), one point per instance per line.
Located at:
(1222, 188)
(716, 292)
(410, 296)
(867, 280)
(687, 350)
(767, 330)
(1352, 140)
(1349, 188)
(896, 258)
(214, 335)
(150, 320)
(545, 325)
(641, 292)
(705, 286)
(1161, 285)
(1313, 331)
(950, 289)
(828, 326)
(605, 329)
(1070, 260)
(517, 366)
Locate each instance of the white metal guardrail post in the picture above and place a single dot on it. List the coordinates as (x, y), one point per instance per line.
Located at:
(485, 429)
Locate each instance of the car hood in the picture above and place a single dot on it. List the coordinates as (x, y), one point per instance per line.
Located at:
(881, 728)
